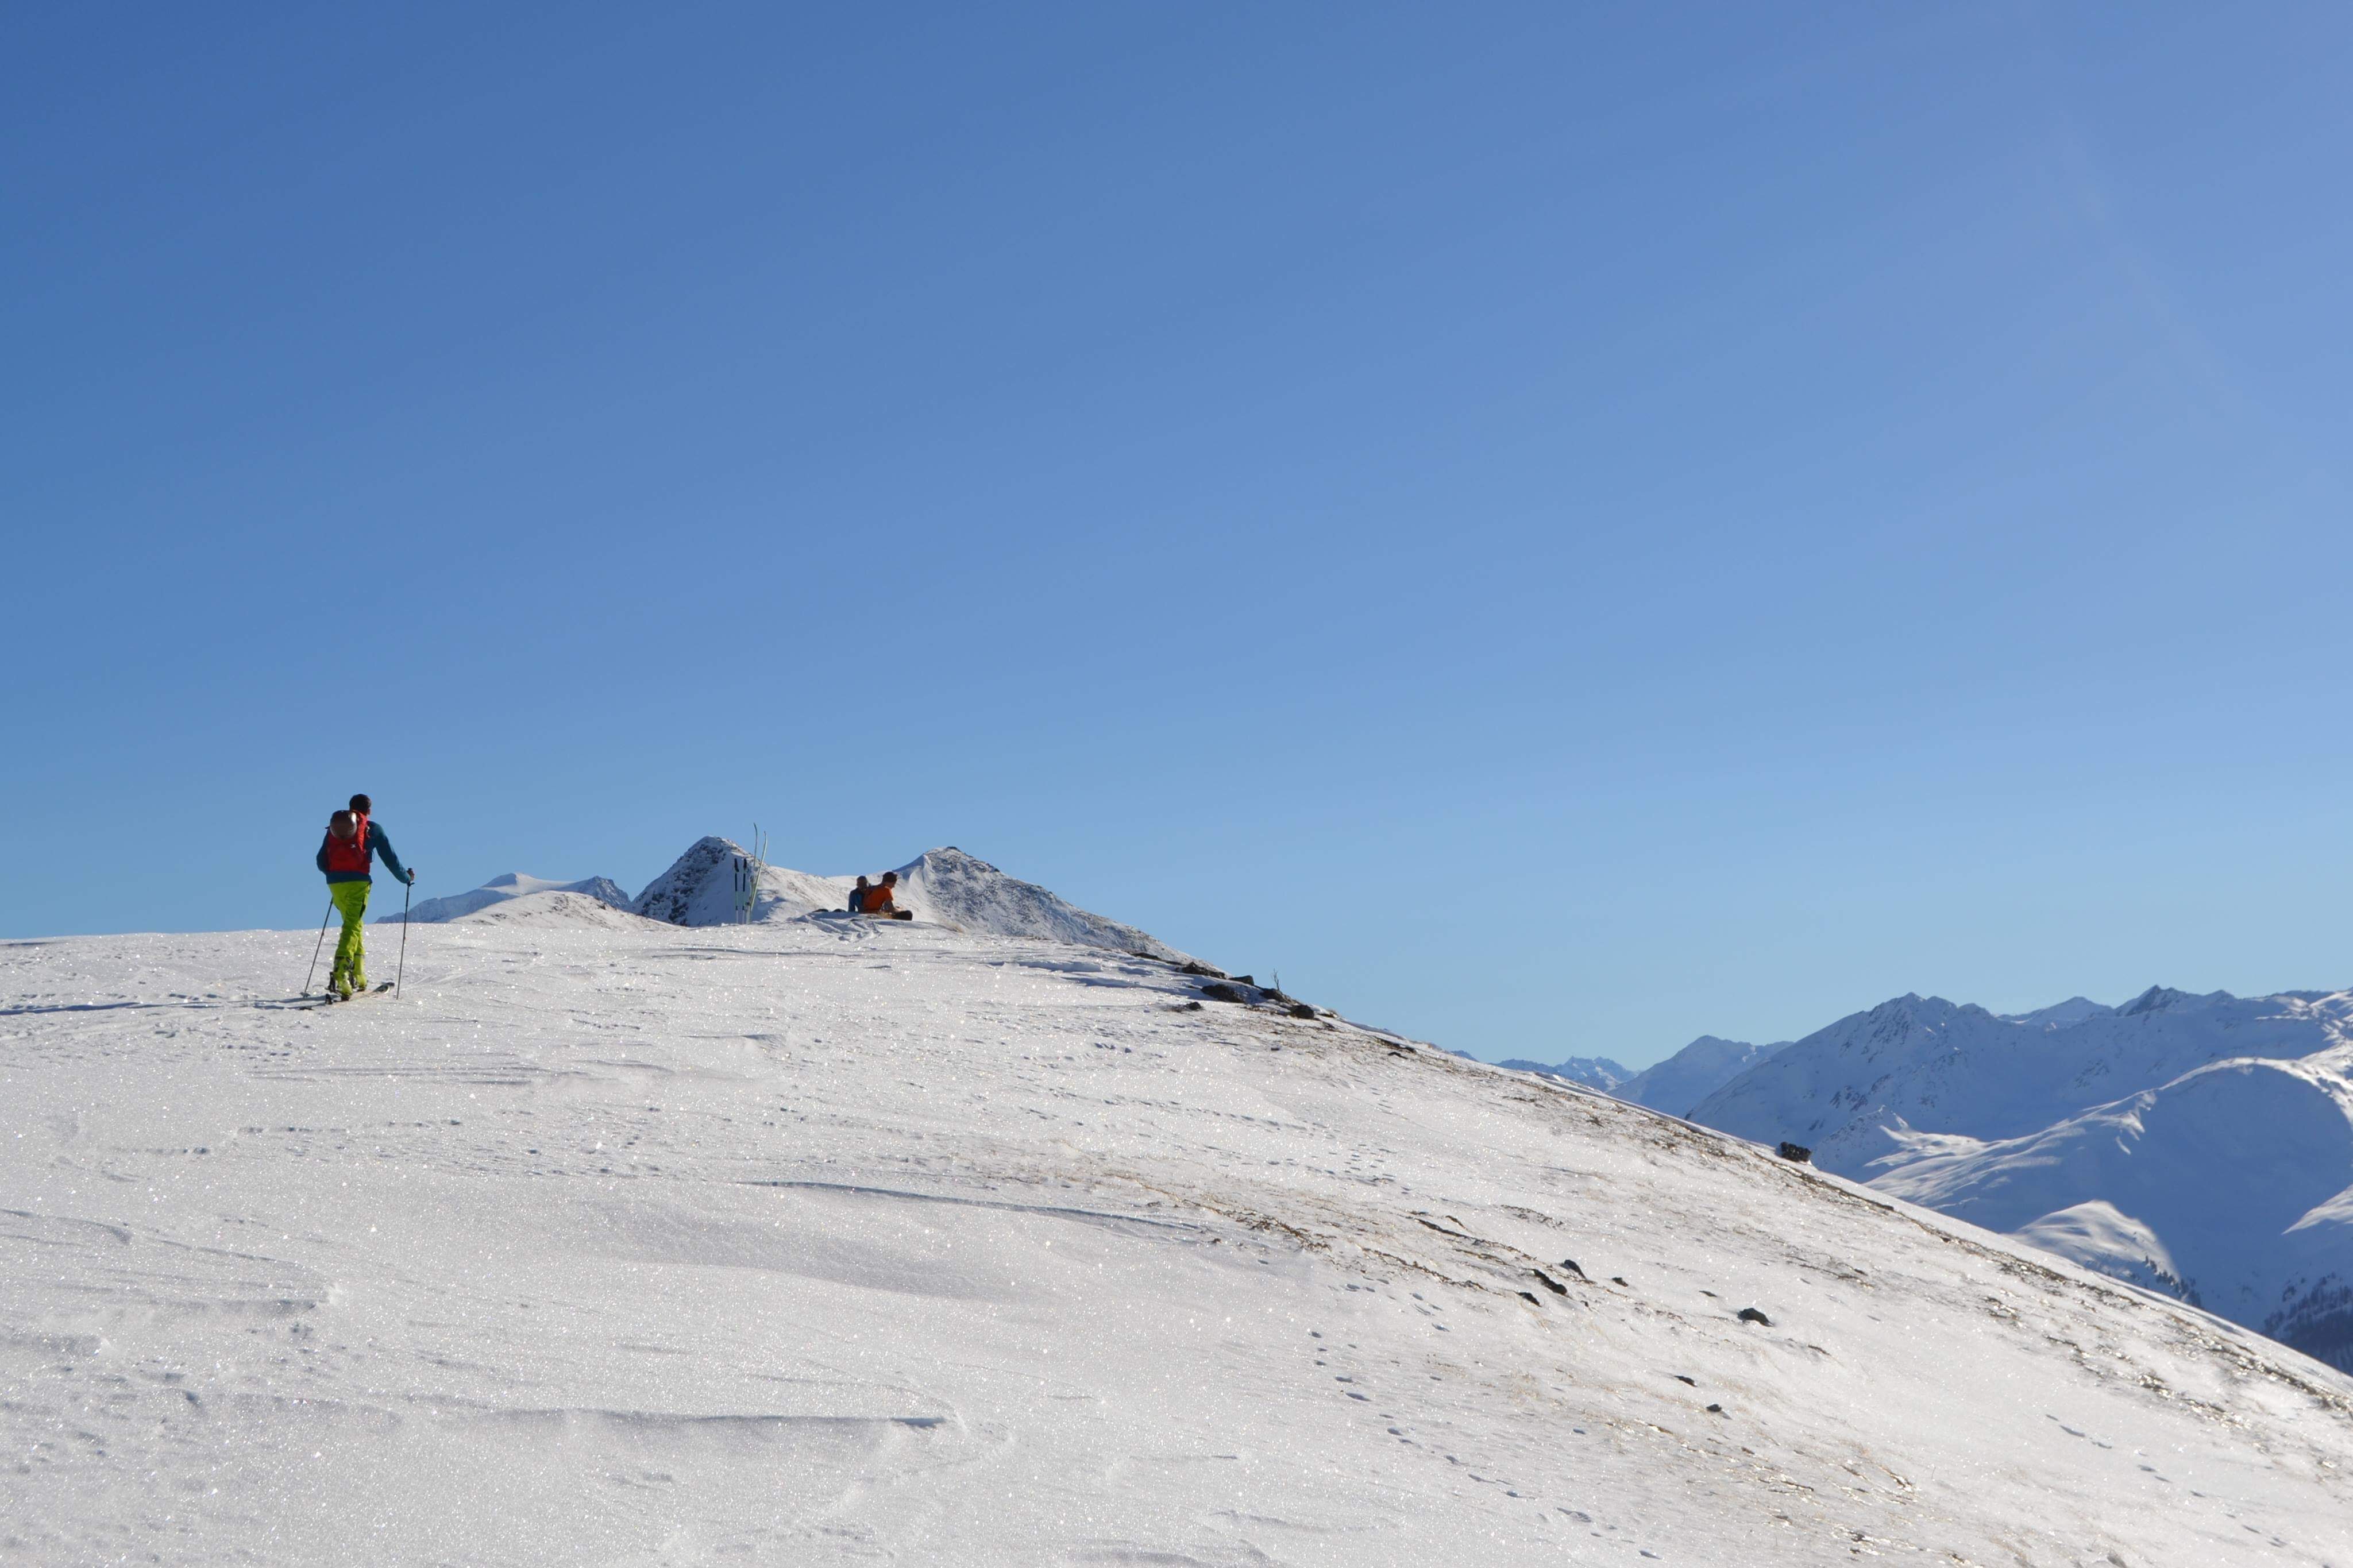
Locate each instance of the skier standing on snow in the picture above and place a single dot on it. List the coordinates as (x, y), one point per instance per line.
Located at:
(351, 843)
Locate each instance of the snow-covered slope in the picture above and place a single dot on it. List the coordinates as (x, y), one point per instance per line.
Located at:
(836, 1242)
(514, 884)
(1694, 1073)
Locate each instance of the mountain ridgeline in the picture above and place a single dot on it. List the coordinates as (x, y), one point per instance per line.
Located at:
(2197, 1146)
(714, 882)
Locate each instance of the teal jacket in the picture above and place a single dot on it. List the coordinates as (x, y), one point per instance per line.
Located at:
(379, 845)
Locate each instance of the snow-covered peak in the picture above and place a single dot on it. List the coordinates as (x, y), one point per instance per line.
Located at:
(1694, 1073)
(2059, 1014)
(963, 891)
(2159, 997)
(706, 887)
(512, 885)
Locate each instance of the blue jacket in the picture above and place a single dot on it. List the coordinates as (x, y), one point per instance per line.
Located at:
(379, 845)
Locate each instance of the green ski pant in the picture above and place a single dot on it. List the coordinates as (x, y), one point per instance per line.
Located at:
(351, 962)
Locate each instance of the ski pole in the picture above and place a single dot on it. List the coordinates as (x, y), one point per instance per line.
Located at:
(321, 942)
(401, 967)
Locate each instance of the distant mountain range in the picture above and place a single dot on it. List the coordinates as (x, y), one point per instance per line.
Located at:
(1674, 1084)
(500, 889)
(2197, 1145)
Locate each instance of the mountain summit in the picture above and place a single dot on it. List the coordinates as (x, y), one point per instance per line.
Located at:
(706, 887)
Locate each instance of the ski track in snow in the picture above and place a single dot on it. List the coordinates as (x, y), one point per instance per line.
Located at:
(831, 1242)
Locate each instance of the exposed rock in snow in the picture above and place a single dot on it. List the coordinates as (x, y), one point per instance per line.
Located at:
(705, 886)
(514, 884)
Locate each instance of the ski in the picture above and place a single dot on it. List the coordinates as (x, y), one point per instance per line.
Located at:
(332, 1000)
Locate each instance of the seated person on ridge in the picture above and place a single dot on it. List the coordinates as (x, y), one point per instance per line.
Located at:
(877, 901)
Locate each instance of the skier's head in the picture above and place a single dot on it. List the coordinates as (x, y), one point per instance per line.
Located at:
(362, 805)
(343, 824)
(888, 878)
(862, 882)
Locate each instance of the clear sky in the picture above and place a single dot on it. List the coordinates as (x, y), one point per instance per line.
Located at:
(1555, 528)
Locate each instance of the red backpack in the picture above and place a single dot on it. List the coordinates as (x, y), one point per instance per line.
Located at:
(352, 855)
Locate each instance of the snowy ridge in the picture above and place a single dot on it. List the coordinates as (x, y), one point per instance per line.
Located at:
(943, 887)
(950, 885)
(514, 884)
(840, 1242)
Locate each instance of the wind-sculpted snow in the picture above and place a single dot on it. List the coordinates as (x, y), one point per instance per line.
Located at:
(833, 1242)
(499, 890)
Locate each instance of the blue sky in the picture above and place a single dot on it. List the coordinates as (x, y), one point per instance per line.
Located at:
(1557, 529)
